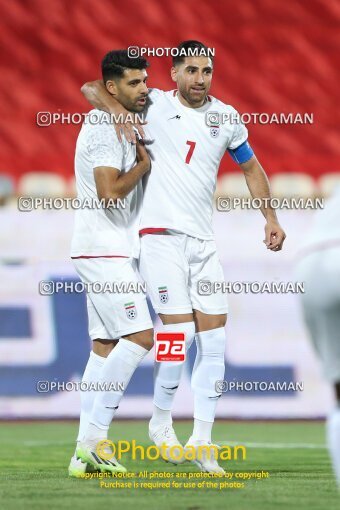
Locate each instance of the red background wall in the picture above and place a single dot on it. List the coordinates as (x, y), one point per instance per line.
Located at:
(270, 57)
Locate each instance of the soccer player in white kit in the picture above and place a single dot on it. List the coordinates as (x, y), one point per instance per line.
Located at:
(105, 245)
(319, 269)
(178, 250)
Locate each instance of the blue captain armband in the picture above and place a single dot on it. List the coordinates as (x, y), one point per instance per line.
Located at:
(242, 153)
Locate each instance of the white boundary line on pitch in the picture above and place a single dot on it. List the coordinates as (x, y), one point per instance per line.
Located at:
(46, 443)
(275, 445)
(272, 446)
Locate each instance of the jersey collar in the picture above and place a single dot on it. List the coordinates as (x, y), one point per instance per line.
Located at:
(187, 109)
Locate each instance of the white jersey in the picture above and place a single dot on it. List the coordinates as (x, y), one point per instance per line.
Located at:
(186, 155)
(99, 231)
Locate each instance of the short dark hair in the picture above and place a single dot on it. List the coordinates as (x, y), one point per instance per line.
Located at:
(115, 62)
(183, 47)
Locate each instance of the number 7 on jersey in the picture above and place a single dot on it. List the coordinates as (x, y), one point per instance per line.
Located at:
(192, 146)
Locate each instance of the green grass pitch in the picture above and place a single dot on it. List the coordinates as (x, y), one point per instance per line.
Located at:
(35, 456)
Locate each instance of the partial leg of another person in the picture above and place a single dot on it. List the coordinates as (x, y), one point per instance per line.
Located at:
(320, 272)
(126, 318)
(102, 345)
(210, 316)
(164, 267)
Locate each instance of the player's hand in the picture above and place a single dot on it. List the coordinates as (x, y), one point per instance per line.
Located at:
(275, 236)
(143, 156)
(126, 127)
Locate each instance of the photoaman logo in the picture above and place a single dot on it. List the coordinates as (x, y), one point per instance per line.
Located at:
(106, 449)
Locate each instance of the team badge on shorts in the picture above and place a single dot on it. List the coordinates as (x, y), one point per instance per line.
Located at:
(214, 132)
(163, 294)
(130, 309)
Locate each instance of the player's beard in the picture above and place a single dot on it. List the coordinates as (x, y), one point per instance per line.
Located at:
(195, 99)
(139, 107)
(133, 105)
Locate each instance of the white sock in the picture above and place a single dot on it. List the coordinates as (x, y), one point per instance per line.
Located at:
(208, 368)
(333, 440)
(94, 432)
(118, 367)
(202, 431)
(91, 374)
(167, 376)
(160, 416)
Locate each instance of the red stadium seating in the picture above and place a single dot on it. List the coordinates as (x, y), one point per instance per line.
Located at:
(270, 57)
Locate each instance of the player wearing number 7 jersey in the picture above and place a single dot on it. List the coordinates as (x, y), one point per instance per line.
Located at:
(177, 240)
(188, 145)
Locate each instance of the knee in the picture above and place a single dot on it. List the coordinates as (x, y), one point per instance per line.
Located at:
(220, 321)
(103, 347)
(183, 326)
(206, 322)
(224, 320)
(143, 338)
(147, 342)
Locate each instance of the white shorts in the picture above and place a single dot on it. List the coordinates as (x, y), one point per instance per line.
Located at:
(172, 265)
(113, 315)
(320, 272)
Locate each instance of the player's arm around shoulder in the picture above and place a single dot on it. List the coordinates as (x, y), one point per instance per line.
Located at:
(97, 95)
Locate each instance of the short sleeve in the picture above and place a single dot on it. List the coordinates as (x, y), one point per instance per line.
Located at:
(240, 132)
(104, 147)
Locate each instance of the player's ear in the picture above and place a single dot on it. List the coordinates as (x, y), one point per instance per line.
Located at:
(173, 74)
(111, 87)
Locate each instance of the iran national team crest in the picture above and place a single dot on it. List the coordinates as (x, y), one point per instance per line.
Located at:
(130, 309)
(214, 131)
(163, 294)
